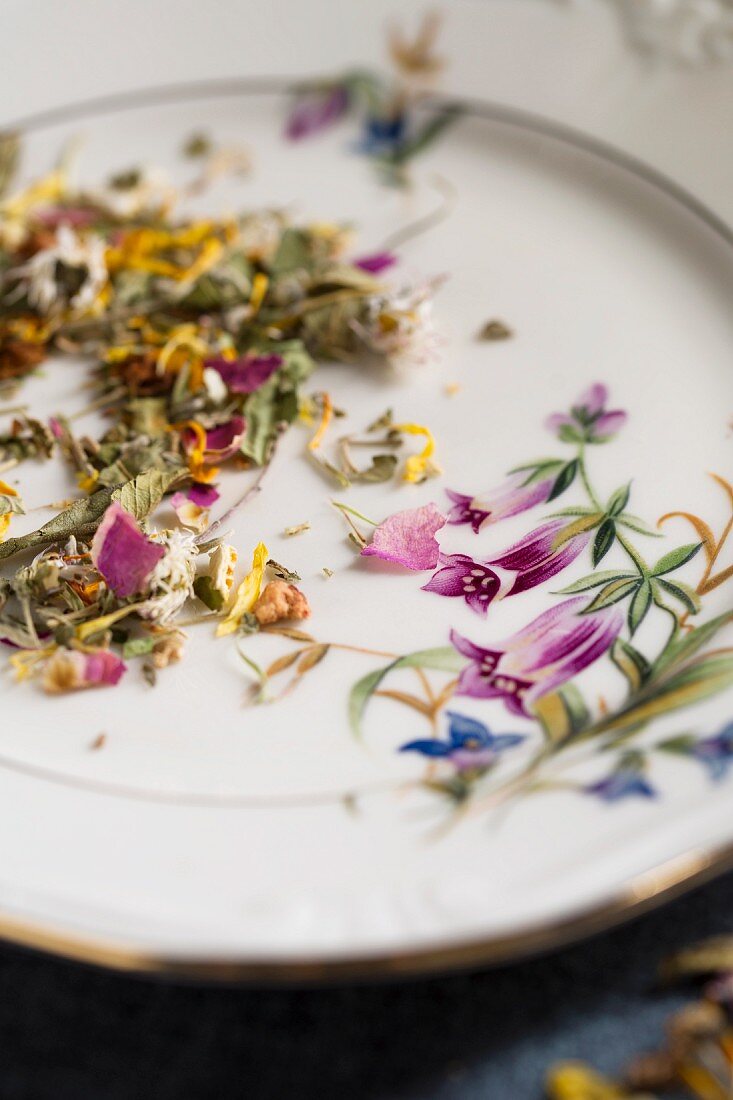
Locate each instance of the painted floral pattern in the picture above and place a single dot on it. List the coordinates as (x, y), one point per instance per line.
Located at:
(535, 674)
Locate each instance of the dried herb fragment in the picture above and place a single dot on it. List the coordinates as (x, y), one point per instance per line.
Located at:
(200, 334)
(495, 330)
(281, 572)
(298, 529)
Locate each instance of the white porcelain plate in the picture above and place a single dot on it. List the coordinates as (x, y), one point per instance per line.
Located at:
(212, 836)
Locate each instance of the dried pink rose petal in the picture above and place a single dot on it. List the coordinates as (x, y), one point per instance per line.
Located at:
(408, 538)
(122, 553)
(222, 442)
(246, 374)
(202, 495)
(375, 263)
(72, 670)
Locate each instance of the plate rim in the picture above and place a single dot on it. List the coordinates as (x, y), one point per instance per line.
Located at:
(638, 895)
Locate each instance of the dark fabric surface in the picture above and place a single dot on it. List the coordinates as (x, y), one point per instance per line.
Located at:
(71, 1032)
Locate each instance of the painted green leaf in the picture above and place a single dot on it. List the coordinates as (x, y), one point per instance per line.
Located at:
(612, 593)
(618, 500)
(631, 663)
(685, 646)
(538, 470)
(680, 745)
(675, 558)
(562, 713)
(595, 580)
(700, 680)
(577, 527)
(604, 540)
(425, 137)
(574, 512)
(682, 592)
(639, 606)
(634, 523)
(564, 479)
(442, 659)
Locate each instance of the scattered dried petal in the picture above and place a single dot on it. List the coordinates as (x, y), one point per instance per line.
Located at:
(122, 553)
(408, 538)
(280, 600)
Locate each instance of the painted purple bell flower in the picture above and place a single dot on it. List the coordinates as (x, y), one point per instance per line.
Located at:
(460, 575)
(589, 421)
(540, 555)
(461, 511)
(317, 110)
(376, 262)
(623, 783)
(715, 753)
(549, 651)
(246, 374)
(469, 745)
(515, 495)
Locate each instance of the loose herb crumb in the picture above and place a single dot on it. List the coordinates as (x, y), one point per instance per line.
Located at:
(298, 529)
(495, 330)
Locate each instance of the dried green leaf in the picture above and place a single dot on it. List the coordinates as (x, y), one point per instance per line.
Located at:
(138, 647)
(382, 469)
(210, 596)
(276, 402)
(9, 158)
(494, 330)
(11, 505)
(143, 494)
(80, 519)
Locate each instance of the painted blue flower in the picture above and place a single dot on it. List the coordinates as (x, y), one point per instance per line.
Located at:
(470, 744)
(715, 753)
(625, 782)
(383, 134)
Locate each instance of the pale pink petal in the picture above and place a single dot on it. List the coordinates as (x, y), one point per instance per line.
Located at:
(408, 538)
(103, 667)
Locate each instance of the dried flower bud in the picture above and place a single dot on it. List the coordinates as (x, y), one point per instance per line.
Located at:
(280, 600)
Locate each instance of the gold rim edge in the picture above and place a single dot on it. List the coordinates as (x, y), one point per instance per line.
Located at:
(641, 894)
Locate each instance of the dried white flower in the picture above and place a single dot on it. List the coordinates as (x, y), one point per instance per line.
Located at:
(44, 273)
(171, 582)
(399, 327)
